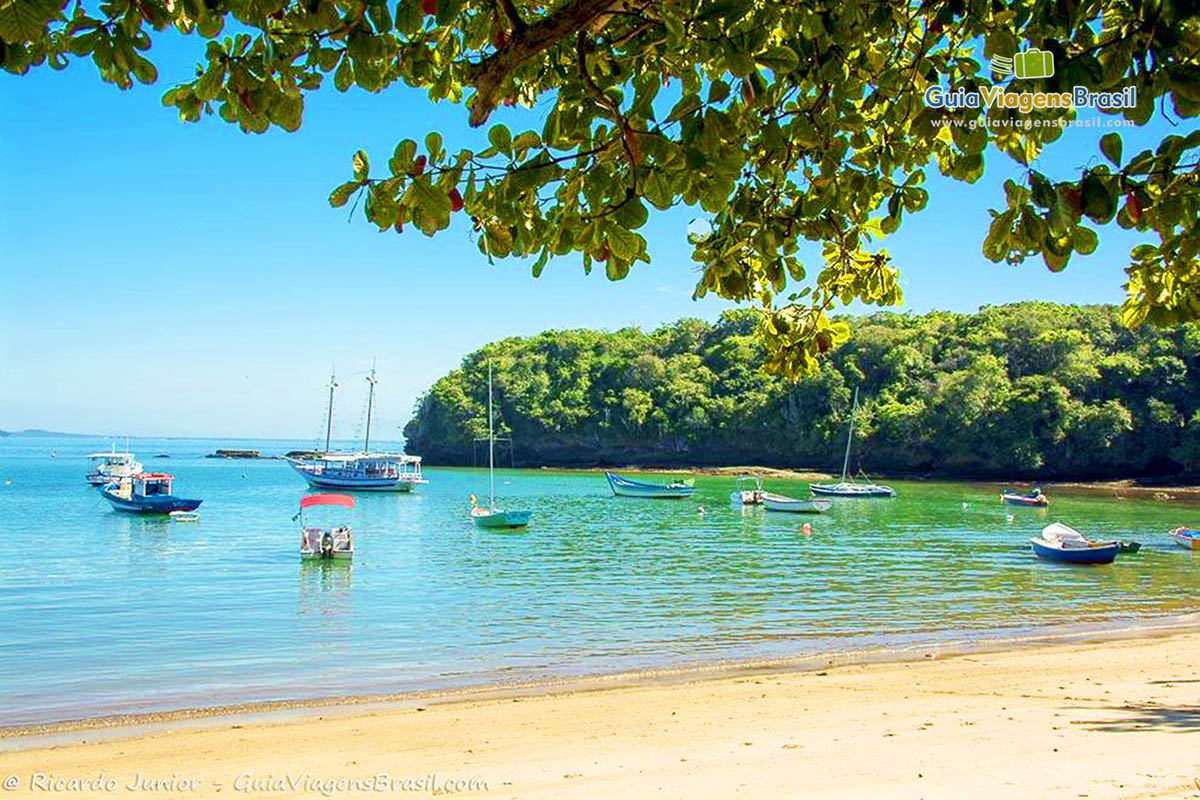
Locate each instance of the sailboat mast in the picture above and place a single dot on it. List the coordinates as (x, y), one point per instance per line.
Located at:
(329, 415)
(849, 436)
(491, 445)
(370, 401)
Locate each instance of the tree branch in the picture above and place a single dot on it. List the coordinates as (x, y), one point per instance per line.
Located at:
(514, 17)
(488, 75)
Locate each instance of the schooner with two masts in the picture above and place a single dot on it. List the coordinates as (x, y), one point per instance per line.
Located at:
(362, 471)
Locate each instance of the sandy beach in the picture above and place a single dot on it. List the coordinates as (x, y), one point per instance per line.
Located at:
(1083, 719)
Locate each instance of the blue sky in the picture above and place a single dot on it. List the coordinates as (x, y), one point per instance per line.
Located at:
(163, 278)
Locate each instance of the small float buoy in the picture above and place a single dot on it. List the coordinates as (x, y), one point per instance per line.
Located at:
(806, 528)
(966, 505)
(700, 509)
(1008, 517)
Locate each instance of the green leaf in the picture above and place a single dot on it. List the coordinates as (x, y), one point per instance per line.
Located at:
(362, 167)
(339, 196)
(501, 139)
(779, 59)
(409, 16)
(25, 20)
(1084, 240)
(402, 158)
(1098, 197)
(1110, 145)
(625, 245)
(431, 201)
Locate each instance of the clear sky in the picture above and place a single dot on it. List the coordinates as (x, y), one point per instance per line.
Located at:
(161, 278)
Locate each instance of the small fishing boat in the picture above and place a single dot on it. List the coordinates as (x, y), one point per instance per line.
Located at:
(1059, 542)
(779, 502)
(492, 517)
(334, 543)
(1034, 498)
(147, 493)
(185, 516)
(845, 488)
(747, 491)
(624, 487)
(111, 467)
(1186, 537)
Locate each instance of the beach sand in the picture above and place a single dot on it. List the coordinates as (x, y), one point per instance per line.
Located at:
(1081, 719)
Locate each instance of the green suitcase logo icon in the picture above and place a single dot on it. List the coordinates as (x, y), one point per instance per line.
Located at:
(1033, 64)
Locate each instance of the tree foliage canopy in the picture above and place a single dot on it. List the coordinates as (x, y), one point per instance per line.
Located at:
(782, 121)
(1032, 390)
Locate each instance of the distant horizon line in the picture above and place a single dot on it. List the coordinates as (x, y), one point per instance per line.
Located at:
(42, 433)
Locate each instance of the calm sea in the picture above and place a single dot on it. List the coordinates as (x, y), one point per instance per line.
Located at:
(105, 613)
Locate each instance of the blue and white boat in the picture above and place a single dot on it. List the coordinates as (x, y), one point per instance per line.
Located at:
(363, 471)
(846, 488)
(146, 493)
(1059, 542)
(624, 487)
(111, 467)
(807, 505)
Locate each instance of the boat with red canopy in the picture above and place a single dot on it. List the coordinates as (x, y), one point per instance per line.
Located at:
(333, 542)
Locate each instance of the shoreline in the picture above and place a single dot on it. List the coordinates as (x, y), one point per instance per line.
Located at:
(964, 644)
(1121, 488)
(1095, 716)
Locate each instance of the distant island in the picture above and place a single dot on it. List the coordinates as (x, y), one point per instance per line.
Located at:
(1029, 390)
(32, 432)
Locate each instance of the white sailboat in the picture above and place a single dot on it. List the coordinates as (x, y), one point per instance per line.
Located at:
(492, 517)
(846, 488)
(363, 471)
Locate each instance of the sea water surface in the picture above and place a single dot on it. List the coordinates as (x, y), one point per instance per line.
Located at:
(106, 613)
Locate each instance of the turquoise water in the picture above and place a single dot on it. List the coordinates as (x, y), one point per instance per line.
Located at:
(104, 613)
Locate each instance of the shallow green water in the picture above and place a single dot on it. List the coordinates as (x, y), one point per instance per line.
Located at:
(105, 613)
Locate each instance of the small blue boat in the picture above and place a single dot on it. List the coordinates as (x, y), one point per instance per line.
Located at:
(147, 493)
(1067, 545)
(623, 487)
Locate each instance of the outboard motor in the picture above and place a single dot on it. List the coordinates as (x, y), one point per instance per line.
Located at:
(327, 545)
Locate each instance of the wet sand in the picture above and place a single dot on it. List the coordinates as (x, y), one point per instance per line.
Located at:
(1078, 718)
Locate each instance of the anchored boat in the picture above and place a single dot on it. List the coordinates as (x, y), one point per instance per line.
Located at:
(332, 543)
(624, 487)
(1059, 542)
(492, 517)
(111, 467)
(748, 491)
(147, 493)
(846, 488)
(361, 472)
(1034, 498)
(779, 502)
(1186, 537)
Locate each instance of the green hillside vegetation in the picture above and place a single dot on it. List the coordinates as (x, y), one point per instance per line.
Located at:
(1024, 390)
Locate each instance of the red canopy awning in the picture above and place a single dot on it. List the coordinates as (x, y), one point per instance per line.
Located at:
(326, 500)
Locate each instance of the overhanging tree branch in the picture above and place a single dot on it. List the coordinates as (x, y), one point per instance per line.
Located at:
(488, 76)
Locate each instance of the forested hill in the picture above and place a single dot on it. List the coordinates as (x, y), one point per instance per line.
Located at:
(1031, 389)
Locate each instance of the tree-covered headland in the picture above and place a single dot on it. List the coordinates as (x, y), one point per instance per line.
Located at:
(1031, 390)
